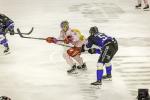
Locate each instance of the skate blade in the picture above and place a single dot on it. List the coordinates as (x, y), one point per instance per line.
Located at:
(82, 70)
(138, 8)
(146, 10)
(6, 53)
(96, 86)
(108, 79)
(85, 69)
(73, 72)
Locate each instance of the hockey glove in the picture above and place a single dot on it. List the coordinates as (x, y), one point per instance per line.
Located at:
(82, 48)
(68, 39)
(51, 40)
(93, 50)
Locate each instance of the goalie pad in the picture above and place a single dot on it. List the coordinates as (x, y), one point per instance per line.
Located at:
(73, 51)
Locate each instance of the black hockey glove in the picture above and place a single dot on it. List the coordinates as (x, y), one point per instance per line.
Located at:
(10, 29)
(12, 32)
(82, 48)
(92, 50)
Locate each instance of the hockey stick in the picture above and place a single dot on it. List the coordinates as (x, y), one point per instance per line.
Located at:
(64, 45)
(22, 36)
(26, 33)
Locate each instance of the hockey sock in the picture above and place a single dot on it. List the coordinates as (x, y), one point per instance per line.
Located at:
(99, 71)
(99, 74)
(108, 69)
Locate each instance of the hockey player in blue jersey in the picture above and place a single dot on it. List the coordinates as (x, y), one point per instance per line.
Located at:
(107, 49)
(6, 26)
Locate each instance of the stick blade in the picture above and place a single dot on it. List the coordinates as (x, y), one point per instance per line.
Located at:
(30, 31)
(19, 32)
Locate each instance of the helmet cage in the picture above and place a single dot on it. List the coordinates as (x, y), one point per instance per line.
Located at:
(93, 30)
(64, 25)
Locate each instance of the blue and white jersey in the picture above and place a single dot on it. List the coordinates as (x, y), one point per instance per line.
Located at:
(99, 39)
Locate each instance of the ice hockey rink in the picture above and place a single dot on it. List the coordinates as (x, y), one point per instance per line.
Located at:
(36, 70)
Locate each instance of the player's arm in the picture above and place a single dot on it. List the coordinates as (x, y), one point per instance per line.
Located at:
(9, 25)
(55, 40)
(94, 51)
(89, 43)
(64, 39)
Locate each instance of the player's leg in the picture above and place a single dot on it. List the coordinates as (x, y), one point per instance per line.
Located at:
(108, 49)
(4, 42)
(68, 59)
(70, 62)
(101, 61)
(100, 65)
(99, 73)
(81, 65)
(112, 48)
(74, 52)
(139, 1)
(146, 4)
(108, 67)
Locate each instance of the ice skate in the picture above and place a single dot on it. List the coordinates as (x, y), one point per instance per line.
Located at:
(72, 70)
(107, 77)
(146, 7)
(83, 67)
(6, 51)
(97, 84)
(138, 6)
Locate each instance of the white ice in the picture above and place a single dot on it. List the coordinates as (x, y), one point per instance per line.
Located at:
(36, 70)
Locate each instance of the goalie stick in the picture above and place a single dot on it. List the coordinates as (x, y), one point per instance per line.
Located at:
(26, 33)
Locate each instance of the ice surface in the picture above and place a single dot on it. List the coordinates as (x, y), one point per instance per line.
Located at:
(36, 70)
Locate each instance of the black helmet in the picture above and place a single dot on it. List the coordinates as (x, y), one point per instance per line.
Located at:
(93, 30)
